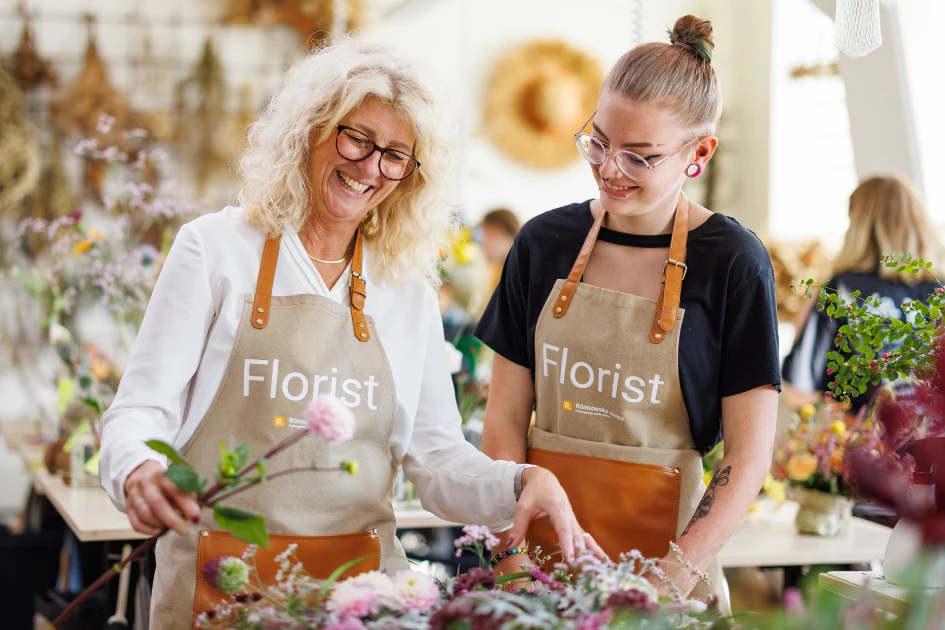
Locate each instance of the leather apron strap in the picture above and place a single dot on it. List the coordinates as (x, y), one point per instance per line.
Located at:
(357, 287)
(667, 306)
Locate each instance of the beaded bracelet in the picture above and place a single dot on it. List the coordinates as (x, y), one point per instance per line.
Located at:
(510, 552)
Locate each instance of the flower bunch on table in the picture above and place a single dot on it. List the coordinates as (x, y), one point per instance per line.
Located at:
(813, 455)
(585, 595)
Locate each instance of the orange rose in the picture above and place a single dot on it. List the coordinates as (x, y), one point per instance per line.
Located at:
(801, 467)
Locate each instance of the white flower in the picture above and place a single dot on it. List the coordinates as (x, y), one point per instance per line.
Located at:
(416, 590)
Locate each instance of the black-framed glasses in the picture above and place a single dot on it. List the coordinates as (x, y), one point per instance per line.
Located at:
(634, 166)
(355, 146)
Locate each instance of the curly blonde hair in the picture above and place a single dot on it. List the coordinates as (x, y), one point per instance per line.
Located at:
(409, 228)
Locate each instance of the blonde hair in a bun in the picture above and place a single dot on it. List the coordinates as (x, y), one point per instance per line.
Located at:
(678, 75)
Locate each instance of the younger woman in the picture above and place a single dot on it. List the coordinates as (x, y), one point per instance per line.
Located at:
(639, 325)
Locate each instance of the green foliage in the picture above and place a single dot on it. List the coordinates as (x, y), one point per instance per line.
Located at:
(858, 362)
(248, 527)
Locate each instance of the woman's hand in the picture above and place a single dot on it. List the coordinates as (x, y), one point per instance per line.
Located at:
(153, 503)
(543, 497)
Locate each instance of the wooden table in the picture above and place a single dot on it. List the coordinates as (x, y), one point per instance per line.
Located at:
(767, 538)
(92, 516)
(867, 586)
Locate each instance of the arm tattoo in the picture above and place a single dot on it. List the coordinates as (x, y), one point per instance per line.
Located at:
(721, 478)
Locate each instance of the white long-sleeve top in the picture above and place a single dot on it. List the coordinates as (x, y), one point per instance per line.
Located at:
(183, 347)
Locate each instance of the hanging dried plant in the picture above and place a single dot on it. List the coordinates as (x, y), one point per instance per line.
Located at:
(79, 107)
(53, 197)
(19, 149)
(316, 20)
(313, 20)
(200, 109)
(27, 67)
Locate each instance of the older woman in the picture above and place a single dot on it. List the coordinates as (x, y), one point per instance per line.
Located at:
(320, 282)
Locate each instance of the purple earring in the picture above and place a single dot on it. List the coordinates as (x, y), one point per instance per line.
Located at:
(689, 169)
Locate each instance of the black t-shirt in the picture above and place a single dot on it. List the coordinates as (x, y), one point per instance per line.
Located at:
(729, 338)
(805, 367)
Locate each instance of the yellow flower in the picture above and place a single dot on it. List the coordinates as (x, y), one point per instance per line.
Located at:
(801, 467)
(461, 246)
(839, 427)
(349, 467)
(95, 235)
(807, 412)
(82, 247)
(773, 488)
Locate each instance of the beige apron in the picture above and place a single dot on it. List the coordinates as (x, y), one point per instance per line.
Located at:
(611, 422)
(287, 351)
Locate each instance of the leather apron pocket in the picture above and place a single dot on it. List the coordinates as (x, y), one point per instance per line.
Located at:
(320, 555)
(623, 505)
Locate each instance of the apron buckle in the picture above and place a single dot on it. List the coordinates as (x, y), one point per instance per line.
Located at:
(675, 263)
(355, 274)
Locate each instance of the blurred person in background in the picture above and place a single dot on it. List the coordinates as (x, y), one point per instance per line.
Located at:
(886, 215)
(497, 232)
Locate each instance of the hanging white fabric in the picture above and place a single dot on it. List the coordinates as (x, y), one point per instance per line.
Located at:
(856, 27)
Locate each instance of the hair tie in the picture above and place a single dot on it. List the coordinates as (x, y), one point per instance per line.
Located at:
(684, 45)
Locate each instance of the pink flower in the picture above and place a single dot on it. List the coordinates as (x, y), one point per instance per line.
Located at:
(473, 579)
(595, 622)
(329, 419)
(793, 601)
(474, 534)
(416, 590)
(350, 599)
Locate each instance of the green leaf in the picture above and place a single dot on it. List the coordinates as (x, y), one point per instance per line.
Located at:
(935, 312)
(831, 310)
(245, 526)
(92, 404)
(861, 389)
(261, 468)
(891, 263)
(856, 294)
(169, 451)
(240, 455)
(809, 281)
(186, 478)
(901, 269)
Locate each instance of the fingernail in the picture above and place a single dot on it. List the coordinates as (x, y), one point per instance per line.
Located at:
(195, 519)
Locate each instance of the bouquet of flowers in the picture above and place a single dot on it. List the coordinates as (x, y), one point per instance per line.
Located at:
(814, 454)
(586, 595)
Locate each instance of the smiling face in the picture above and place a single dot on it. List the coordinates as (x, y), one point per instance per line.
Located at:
(345, 191)
(651, 132)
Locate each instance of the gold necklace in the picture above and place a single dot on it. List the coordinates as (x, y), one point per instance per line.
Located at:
(329, 262)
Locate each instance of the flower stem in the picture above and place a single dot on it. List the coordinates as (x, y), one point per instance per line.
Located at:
(103, 579)
(281, 606)
(208, 496)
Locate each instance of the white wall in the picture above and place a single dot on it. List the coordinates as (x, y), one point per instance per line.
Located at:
(469, 38)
